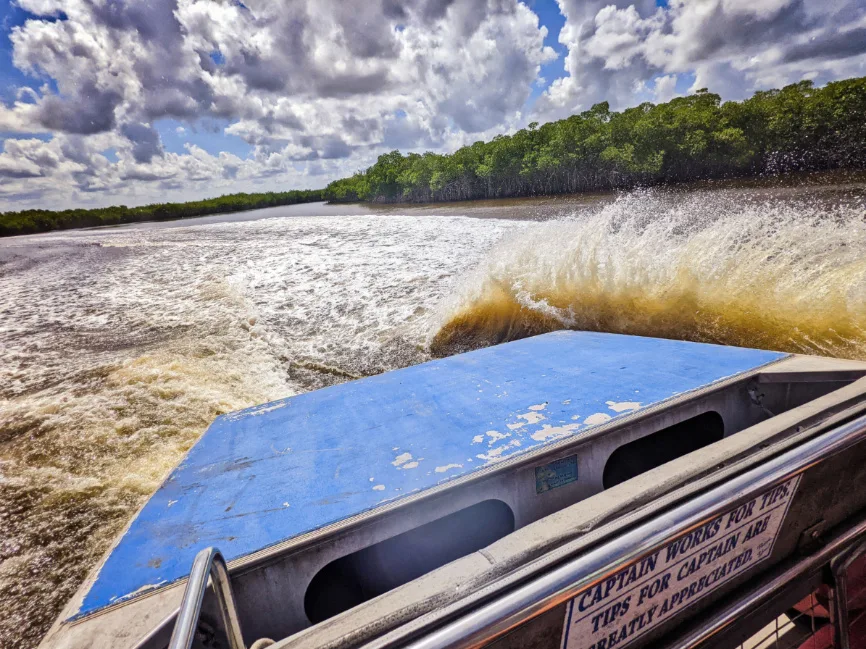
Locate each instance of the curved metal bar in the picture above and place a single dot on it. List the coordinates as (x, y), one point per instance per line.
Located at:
(559, 585)
(208, 565)
(735, 611)
(839, 569)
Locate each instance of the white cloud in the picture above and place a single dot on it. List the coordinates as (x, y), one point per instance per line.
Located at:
(616, 48)
(302, 82)
(665, 88)
(318, 88)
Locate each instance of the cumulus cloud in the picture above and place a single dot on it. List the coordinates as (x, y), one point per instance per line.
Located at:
(299, 81)
(145, 141)
(626, 51)
(12, 168)
(665, 88)
(310, 90)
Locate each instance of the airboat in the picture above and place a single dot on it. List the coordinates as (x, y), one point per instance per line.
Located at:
(573, 490)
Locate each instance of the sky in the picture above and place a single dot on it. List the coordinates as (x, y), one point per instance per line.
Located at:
(106, 102)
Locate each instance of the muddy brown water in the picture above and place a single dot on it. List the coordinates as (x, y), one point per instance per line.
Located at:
(118, 346)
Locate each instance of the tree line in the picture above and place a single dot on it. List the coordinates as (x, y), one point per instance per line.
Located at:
(799, 127)
(30, 221)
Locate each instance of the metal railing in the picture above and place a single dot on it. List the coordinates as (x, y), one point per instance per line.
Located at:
(534, 598)
(847, 544)
(208, 565)
(839, 569)
(789, 630)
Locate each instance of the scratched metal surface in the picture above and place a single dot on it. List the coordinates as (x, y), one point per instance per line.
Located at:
(269, 473)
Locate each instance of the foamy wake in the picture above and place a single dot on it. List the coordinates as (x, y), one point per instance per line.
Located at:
(788, 276)
(118, 347)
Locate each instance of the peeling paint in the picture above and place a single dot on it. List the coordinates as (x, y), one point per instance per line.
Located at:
(402, 459)
(286, 505)
(597, 418)
(171, 502)
(554, 432)
(540, 406)
(478, 439)
(379, 487)
(516, 426)
(410, 465)
(532, 417)
(495, 454)
(495, 436)
(257, 410)
(566, 402)
(447, 467)
(623, 406)
(263, 409)
(143, 589)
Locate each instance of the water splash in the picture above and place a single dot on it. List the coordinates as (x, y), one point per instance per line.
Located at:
(118, 348)
(784, 275)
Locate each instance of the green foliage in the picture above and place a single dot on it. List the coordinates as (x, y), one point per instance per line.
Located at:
(687, 138)
(799, 127)
(30, 221)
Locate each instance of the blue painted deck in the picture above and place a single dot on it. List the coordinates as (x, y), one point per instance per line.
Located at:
(266, 474)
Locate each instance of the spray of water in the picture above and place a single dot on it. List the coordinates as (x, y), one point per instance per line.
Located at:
(778, 275)
(118, 348)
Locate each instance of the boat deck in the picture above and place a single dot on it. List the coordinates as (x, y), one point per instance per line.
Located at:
(270, 473)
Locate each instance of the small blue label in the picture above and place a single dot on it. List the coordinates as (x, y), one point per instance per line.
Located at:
(556, 474)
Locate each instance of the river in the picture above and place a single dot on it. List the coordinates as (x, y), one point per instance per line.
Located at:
(118, 346)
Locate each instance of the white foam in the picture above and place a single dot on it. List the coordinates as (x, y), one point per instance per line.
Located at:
(118, 347)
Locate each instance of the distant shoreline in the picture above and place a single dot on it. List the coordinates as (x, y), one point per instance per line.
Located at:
(37, 221)
(686, 140)
(505, 207)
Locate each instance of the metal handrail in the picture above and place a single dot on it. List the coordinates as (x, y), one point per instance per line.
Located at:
(839, 569)
(530, 600)
(208, 565)
(850, 538)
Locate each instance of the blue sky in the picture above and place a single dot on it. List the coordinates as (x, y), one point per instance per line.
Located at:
(550, 17)
(10, 77)
(208, 134)
(179, 99)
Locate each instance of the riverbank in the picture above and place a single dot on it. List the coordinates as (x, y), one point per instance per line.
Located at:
(842, 185)
(689, 140)
(797, 128)
(34, 221)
